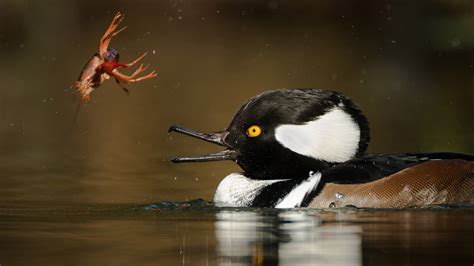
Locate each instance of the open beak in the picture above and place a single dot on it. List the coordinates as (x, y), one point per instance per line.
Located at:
(216, 138)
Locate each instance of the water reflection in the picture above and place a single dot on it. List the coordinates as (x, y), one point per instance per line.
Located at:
(199, 234)
(293, 237)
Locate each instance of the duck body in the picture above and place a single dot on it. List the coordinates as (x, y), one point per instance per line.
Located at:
(306, 148)
(435, 182)
(374, 181)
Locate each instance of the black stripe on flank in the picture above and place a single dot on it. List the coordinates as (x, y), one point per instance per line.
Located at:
(272, 194)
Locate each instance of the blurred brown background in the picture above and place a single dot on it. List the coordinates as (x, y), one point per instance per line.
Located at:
(409, 64)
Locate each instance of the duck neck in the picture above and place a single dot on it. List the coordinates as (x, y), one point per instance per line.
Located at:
(294, 167)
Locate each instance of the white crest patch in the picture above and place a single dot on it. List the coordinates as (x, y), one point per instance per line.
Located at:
(237, 190)
(296, 195)
(332, 137)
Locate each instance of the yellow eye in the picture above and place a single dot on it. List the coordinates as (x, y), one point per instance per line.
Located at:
(254, 131)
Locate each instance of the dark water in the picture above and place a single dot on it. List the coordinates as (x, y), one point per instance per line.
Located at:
(204, 235)
(73, 193)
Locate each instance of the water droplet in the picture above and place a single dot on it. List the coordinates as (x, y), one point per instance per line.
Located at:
(175, 178)
(154, 51)
(332, 205)
(455, 42)
(340, 195)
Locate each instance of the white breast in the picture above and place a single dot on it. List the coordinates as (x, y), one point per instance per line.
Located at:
(237, 190)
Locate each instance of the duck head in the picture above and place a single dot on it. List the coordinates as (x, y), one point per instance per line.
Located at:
(284, 134)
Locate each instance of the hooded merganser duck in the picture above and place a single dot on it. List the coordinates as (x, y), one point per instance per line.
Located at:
(306, 148)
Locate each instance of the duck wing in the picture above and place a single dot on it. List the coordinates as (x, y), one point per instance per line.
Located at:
(375, 166)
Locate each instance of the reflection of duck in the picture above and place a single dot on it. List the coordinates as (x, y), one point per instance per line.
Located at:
(284, 238)
(305, 147)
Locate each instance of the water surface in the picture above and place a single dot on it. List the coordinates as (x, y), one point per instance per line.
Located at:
(204, 235)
